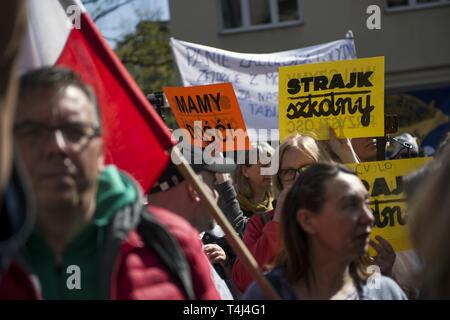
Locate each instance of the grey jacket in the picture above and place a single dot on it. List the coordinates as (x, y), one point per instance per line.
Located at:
(230, 207)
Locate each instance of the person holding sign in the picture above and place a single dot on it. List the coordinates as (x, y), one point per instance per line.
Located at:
(325, 226)
(262, 232)
(254, 189)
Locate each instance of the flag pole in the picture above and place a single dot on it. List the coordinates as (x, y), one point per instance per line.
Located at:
(235, 242)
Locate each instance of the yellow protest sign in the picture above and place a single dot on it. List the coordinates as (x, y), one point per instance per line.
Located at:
(209, 113)
(347, 96)
(383, 179)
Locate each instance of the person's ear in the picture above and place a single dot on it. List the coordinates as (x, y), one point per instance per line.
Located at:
(244, 170)
(192, 194)
(305, 218)
(101, 163)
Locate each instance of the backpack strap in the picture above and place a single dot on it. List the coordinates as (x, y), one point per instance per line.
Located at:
(159, 239)
(155, 236)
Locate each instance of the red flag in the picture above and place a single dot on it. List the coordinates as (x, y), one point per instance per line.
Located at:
(136, 138)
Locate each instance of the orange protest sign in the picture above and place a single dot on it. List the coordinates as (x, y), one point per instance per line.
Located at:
(209, 113)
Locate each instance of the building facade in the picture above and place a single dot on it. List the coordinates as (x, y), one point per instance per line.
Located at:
(413, 36)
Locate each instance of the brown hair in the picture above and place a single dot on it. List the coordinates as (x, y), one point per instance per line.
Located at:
(430, 224)
(309, 192)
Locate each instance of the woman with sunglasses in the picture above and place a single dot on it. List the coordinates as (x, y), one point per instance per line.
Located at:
(325, 230)
(262, 231)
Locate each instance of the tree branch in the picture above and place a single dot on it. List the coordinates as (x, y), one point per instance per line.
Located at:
(110, 9)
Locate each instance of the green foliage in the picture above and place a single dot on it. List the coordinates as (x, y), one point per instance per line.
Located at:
(145, 52)
(147, 55)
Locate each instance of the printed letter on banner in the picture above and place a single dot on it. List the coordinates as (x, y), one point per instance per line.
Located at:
(387, 198)
(347, 96)
(209, 113)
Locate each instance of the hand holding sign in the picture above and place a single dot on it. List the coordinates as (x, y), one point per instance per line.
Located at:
(342, 148)
(386, 255)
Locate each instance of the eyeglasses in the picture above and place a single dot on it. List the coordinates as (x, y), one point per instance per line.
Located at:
(75, 135)
(289, 174)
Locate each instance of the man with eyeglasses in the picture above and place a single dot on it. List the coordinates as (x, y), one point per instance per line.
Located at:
(89, 240)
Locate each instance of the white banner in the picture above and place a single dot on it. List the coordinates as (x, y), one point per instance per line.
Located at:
(254, 76)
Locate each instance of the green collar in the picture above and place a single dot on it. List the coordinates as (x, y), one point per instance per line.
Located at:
(115, 191)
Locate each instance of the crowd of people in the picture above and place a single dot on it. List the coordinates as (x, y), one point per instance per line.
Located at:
(72, 227)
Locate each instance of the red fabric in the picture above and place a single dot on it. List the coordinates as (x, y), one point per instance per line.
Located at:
(138, 273)
(135, 136)
(263, 242)
(15, 284)
(142, 276)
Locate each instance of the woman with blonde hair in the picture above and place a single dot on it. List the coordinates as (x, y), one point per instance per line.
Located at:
(262, 232)
(325, 227)
(254, 190)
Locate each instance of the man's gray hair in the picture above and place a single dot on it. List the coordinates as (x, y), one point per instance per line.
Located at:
(59, 77)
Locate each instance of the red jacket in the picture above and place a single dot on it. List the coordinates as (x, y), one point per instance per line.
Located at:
(137, 272)
(262, 240)
(16, 284)
(141, 275)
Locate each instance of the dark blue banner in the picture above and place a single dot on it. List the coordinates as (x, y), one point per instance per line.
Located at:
(423, 113)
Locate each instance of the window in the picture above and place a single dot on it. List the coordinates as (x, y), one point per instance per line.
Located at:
(402, 5)
(246, 15)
